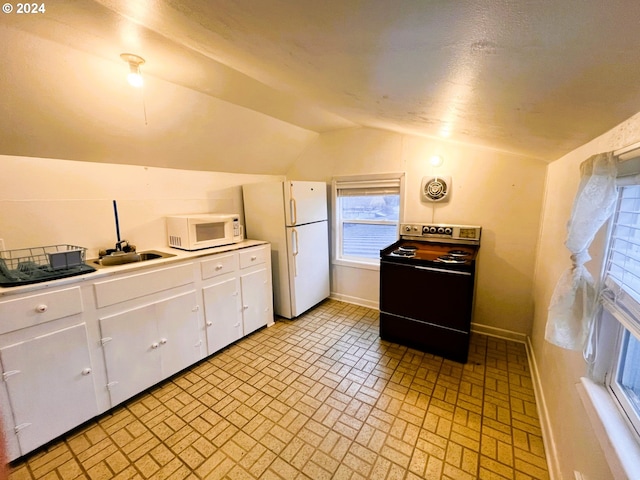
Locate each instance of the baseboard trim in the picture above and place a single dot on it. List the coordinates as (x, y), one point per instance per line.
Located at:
(548, 440)
(363, 302)
(498, 332)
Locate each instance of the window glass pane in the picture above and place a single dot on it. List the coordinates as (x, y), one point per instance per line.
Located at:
(370, 207)
(367, 215)
(366, 240)
(628, 371)
(624, 255)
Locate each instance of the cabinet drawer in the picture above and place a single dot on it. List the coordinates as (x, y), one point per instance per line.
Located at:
(219, 265)
(135, 286)
(253, 256)
(36, 309)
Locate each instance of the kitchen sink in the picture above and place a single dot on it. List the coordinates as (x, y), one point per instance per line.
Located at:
(144, 256)
(125, 258)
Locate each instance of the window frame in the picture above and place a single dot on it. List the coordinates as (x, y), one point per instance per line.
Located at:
(614, 321)
(336, 243)
(629, 413)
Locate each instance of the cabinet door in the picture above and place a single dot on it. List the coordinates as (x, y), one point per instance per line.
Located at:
(50, 385)
(146, 344)
(223, 313)
(131, 344)
(178, 333)
(255, 299)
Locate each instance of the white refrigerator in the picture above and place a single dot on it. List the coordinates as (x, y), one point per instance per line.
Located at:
(292, 216)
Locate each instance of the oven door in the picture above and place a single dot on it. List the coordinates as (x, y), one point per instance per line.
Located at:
(431, 295)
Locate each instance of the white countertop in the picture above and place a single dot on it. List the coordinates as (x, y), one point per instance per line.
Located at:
(103, 271)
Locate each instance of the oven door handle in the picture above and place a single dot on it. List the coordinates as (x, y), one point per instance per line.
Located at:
(431, 269)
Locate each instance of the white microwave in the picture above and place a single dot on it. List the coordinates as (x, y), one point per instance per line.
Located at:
(207, 230)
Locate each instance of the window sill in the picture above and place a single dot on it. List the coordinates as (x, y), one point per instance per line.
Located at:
(356, 264)
(618, 443)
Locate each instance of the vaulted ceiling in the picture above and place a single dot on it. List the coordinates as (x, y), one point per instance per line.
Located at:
(534, 77)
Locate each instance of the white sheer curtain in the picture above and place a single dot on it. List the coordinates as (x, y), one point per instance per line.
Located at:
(574, 298)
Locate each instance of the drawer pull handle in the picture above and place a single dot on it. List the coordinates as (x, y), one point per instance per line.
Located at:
(246, 307)
(163, 341)
(86, 371)
(253, 257)
(42, 308)
(218, 267)
(209, 324)
(155, 345)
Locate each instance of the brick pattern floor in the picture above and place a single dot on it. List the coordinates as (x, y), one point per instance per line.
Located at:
(320, 397)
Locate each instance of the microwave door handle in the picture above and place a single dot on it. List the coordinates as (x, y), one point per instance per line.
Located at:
(294, 249)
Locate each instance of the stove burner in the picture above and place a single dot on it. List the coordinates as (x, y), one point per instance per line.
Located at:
(402, 252)
(450, 259)
(458, 253)
(408, 248)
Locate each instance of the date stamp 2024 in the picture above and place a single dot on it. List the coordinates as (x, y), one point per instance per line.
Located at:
(24, 8)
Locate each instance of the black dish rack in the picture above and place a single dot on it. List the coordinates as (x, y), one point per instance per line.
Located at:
(40, 264)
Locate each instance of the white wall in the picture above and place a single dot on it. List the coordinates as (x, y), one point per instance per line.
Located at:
(47, 202)
(560, 370)
(498, 191)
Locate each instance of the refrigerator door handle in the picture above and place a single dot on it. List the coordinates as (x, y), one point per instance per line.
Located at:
(294, 250)
(293, 210)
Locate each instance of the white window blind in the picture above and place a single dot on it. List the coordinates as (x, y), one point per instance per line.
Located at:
(621, 292)
(368, 188)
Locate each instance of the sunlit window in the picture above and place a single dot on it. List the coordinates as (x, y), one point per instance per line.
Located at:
(621, 296)
(367, 216)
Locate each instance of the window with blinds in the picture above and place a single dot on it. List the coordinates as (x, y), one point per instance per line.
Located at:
(621, 298)
(367, 215)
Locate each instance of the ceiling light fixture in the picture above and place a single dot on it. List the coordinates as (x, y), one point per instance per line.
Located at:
(134, 77)
(436, 160)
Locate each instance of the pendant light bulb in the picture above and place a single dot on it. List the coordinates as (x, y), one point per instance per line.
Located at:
(134, 77)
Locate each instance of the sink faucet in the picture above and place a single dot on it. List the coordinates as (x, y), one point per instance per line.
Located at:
(125, 246)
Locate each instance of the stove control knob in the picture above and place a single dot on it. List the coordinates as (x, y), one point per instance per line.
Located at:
(448, 230)
(433, 229)
(440, 229)
(407, 228)
(425, 230)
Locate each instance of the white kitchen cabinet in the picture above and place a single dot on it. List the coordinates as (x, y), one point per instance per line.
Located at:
(223, 313)
(148, 343)
(32, 310)
(71, 352)
(50, 385)
(256, 299)
(256, 288)
(237, 295)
